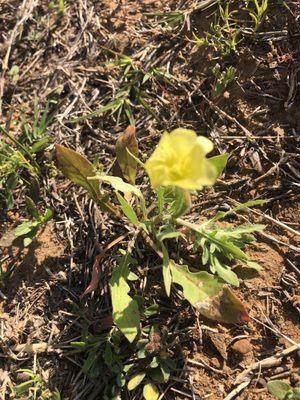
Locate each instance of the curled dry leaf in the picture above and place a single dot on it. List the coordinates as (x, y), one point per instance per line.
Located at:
(95, 276)
(128, 165)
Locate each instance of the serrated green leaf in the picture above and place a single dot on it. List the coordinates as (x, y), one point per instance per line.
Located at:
(135, 380)
(229, 247)
(78, 169)
(278, 389)
(150, 391)
(125, 309)
(241, 230)
(219, 162)
(250, 203)
(224, 272)
(128, 210)
(197, 286)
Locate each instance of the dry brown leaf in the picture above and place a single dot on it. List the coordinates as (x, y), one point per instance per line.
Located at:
(225, 307)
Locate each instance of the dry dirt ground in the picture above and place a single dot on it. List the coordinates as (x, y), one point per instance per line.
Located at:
(66, 60)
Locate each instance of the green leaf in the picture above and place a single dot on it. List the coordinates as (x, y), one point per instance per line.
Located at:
(296, 393)
(61, 6)
(278, 389)
(219, 162)
(160, 199)
(224, 272)
(135, 380)
(125, 309)
(150, 391)
(181, 202)
(27, 241)
(24, 387)
(23, 229)
(56, 395)
(197, 286)
(157, 375)
(127, 141)
(254, 265)
(165, 372)
(168, 233)
(113, 106)
(48, 214)
(154, 363)
(166, 270)
(78, 169)
(151, 310)
(41, 144)
(33, 211)
(119, 185)
(250, 203)
(241, 230)
(230, 248)
(128, 210)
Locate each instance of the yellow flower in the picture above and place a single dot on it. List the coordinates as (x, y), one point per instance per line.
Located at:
(179, 160)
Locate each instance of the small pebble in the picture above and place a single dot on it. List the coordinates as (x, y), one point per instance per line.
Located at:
(242, 346)
(261, 383)
(215, 362)
(295, 379)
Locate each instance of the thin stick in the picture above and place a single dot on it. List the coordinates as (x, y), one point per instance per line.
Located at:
(269, 362)
(237, 390)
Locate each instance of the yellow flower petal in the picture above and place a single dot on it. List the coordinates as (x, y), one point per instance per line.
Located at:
(179, 160)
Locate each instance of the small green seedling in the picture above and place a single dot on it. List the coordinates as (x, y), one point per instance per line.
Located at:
(223, 35)
(19, 153)
(29, 229)
(259, 13)
(170, 18)
(283, 391)
(60, 6)
(223, 79)
(35, 388)
(14, 73)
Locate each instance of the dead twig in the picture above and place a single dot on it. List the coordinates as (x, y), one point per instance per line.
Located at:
(268, 362)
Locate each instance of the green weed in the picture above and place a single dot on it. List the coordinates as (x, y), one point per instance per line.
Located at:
(223, 79)
(28, 229)
(259, 13)
(35, 388)
(18, 153)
